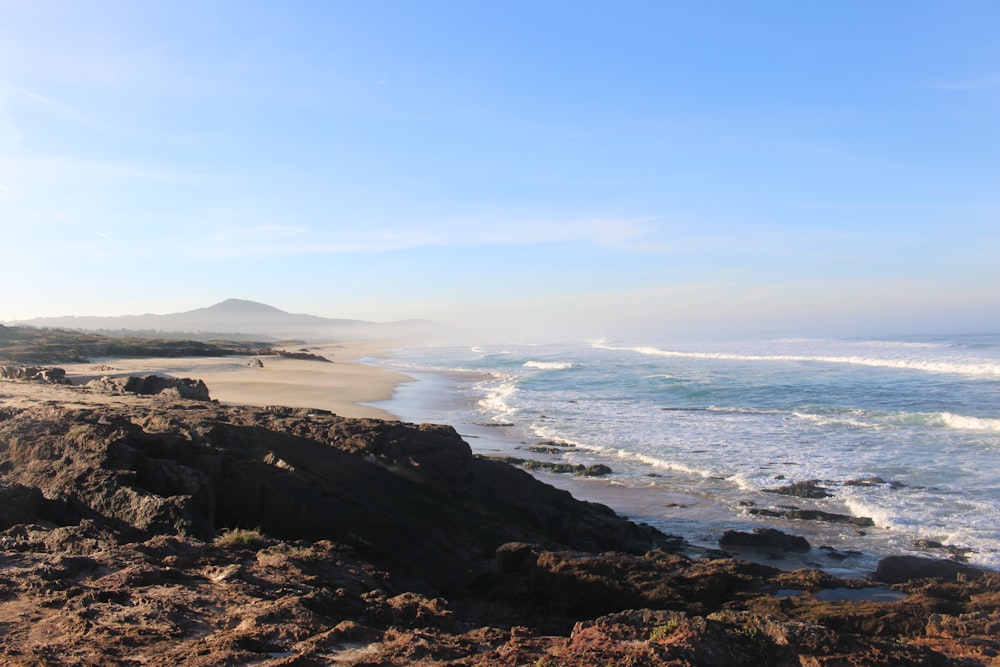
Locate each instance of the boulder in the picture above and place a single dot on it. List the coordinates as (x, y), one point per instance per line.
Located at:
(814, 515)
(806, 489)
(188, 388)
(34, 373)
(900, 569)
(764, 538)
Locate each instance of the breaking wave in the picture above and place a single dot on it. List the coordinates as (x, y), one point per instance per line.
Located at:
(987, 368)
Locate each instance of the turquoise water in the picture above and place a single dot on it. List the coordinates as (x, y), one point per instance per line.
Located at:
(905, 432)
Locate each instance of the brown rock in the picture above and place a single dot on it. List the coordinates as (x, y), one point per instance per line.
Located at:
(153, 384)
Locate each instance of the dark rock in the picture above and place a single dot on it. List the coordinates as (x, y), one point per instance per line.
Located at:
(558, 444)
(900, 569)
(595, 470)
(806, 489)
(303, 356)
(542, 449)
(960, 554)
(814, 515)
(874, 481)
(516, 557)
(19, 504)
(839, 555)
(764, 538)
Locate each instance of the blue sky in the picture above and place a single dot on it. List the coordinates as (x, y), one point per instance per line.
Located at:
(804, 167)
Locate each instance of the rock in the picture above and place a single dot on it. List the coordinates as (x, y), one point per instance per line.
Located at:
(194, 390)
(34, 373)
(806, 489)
(874, 481)
(595, 470)
(957, 553)
(410, 495)
(764, 538)
(814, 515)
(516, 557)
(255, 363)
(900, 569)
(303, 356)
(19, 504)
(839, 555)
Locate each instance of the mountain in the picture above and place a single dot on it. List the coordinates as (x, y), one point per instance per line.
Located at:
(234, 317)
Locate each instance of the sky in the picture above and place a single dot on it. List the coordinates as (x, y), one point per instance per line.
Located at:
(663, 167)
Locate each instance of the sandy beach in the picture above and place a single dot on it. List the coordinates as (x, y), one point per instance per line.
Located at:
(341, 387)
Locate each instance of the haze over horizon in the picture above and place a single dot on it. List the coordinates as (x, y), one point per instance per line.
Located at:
(558, 167)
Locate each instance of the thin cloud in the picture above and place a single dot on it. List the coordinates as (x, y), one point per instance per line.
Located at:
(39, 102)
(846, 206)
(89, 230)
(300, 240)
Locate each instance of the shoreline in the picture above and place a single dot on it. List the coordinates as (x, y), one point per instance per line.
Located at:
(701, 520)
(388, 543)
(351, 388)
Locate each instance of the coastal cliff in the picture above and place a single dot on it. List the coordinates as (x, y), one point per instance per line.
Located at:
(140, 528)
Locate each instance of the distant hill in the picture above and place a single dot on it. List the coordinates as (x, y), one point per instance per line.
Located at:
(235, 319)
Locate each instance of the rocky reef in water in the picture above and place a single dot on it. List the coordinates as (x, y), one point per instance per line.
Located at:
(137, 529)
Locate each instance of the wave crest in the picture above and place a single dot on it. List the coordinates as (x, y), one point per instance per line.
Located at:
(549, 365)
(977, 368)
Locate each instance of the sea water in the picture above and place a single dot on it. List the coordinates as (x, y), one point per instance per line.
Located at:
(902, 431)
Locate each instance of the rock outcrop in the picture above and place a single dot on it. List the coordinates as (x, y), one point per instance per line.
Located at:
(152, 529)
(34, 373)
(414, 496)
(152, 384)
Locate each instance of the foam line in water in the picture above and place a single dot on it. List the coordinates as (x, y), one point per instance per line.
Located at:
(546, 433)
(549, 365)
(978, 368)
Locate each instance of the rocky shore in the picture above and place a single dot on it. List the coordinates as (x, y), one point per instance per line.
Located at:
(144, 527)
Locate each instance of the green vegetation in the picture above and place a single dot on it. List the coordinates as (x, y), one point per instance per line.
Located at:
(28, 345)
(665, 630)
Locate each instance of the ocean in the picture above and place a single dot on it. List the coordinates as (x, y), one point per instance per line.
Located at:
(904, 432)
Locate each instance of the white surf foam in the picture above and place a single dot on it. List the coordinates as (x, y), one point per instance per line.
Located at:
(549, 365)
(978, 367)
